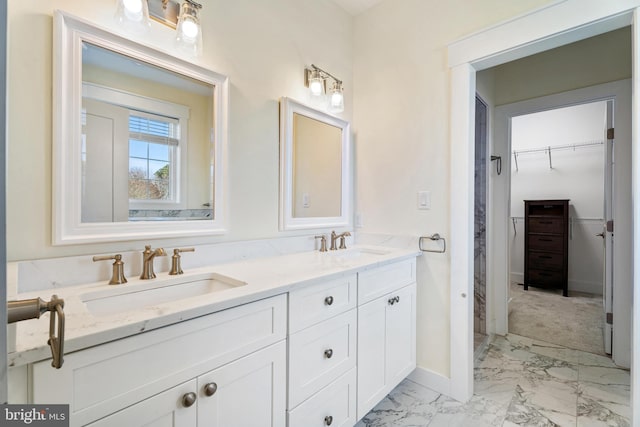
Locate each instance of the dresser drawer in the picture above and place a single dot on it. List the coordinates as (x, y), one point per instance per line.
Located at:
(334, 405)
(382, 280)
(546, 242)
(322, 301)
(320, 354)
(546, 225)
(545, 260)
(545, 278)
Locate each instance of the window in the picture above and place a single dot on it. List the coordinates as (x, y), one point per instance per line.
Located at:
(154, 142)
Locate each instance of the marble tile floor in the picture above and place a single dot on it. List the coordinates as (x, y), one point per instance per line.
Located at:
(519, 382)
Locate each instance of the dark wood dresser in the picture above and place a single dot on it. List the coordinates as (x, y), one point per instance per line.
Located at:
(546, 244)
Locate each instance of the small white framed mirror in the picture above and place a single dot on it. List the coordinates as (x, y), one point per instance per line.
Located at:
(315, 168)
(139, 140)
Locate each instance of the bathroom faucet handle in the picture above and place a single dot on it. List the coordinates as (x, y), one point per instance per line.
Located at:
(117, 277)
(323, 243)
(343, 236)
(176, 268)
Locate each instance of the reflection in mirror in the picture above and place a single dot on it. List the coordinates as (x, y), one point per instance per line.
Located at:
(146, 148)
(139, 140)
(315, 170)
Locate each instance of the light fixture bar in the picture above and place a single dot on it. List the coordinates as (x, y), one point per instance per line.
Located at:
(165, 11)
(324, 74)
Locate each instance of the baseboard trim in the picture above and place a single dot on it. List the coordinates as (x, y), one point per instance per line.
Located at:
(433, 380)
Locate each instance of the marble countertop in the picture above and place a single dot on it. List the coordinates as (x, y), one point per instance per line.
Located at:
(264, 277)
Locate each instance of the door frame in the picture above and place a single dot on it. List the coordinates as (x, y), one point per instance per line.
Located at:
(620, 93)
(560, 23)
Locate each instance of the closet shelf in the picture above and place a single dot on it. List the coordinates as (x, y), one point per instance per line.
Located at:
(550, 148)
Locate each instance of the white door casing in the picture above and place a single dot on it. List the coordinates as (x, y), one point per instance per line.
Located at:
(551, 26)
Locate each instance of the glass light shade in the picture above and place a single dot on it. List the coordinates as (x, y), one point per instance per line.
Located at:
(336, 100)
(316, 83)
(189, 31)
(133, 15)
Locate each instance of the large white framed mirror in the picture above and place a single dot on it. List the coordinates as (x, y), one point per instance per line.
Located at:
(315, 168)
(139, 140)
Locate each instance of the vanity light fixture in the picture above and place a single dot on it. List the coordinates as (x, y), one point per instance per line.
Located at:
(134, 15)
(315, 79)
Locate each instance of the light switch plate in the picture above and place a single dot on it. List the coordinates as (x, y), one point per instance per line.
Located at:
(424, 199)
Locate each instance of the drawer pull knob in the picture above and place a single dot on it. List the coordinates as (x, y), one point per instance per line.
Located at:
(210, 389)
(189, 399)
(328, 353)
(546, 240)
(545, 257)
(546, 222)
(328, 300)
(328, 420)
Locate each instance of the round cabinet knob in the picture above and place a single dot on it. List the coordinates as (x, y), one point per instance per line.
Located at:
(328, 420)
(328, 300)
(328, 353)
(189, 399)
(210, 389)
(463, 295)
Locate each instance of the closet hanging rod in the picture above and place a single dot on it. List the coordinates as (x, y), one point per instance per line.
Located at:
(557, 147)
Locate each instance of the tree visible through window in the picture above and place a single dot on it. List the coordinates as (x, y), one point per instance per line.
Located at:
(153, 145)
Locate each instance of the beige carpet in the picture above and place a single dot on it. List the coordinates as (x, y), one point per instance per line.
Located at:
(574, 322)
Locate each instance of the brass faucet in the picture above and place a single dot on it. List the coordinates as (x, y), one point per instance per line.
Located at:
(117, 276)
(176, 268)
(323, 243)
(335, 237)
(342, 236)
(147, 261)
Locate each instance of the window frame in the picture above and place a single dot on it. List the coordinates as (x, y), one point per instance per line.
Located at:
(138, 103)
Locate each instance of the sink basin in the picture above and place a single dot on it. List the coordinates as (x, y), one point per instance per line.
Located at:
(152, 292)
(355, 253)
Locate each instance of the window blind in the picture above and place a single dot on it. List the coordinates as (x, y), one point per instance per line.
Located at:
(154, 128)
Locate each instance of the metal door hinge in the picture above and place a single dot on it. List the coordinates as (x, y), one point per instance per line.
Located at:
(610, 133)
(609, 318)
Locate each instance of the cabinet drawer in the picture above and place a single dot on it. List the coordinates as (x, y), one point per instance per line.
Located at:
(101, 380)
(382, 280)
(545, 278)
(316, 303)
(546, 242)
(545, 260)
(546, 225)
(320, 354)
(334, 405)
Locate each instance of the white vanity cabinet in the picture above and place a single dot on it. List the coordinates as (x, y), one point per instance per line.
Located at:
(322, 354)
(386, 331)
(247, 392)
(155, 375)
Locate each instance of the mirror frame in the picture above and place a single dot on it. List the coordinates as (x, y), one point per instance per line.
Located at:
(69, 34)
(288, 107)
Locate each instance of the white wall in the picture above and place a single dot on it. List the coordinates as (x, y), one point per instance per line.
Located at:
(576, 175)
(263, 46)
(401, 122)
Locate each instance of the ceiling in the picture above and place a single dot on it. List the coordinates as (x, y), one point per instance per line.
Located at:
(356, 7)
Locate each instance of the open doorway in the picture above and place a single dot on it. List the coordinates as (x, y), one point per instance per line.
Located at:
(560, 154)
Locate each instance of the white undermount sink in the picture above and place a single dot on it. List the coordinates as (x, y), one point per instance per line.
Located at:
(123, 298)
(354, 253)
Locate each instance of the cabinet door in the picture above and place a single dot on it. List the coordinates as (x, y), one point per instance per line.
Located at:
(400, 335)
(386, 345)
(371, 354)
(165, 409)
(250, 392)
